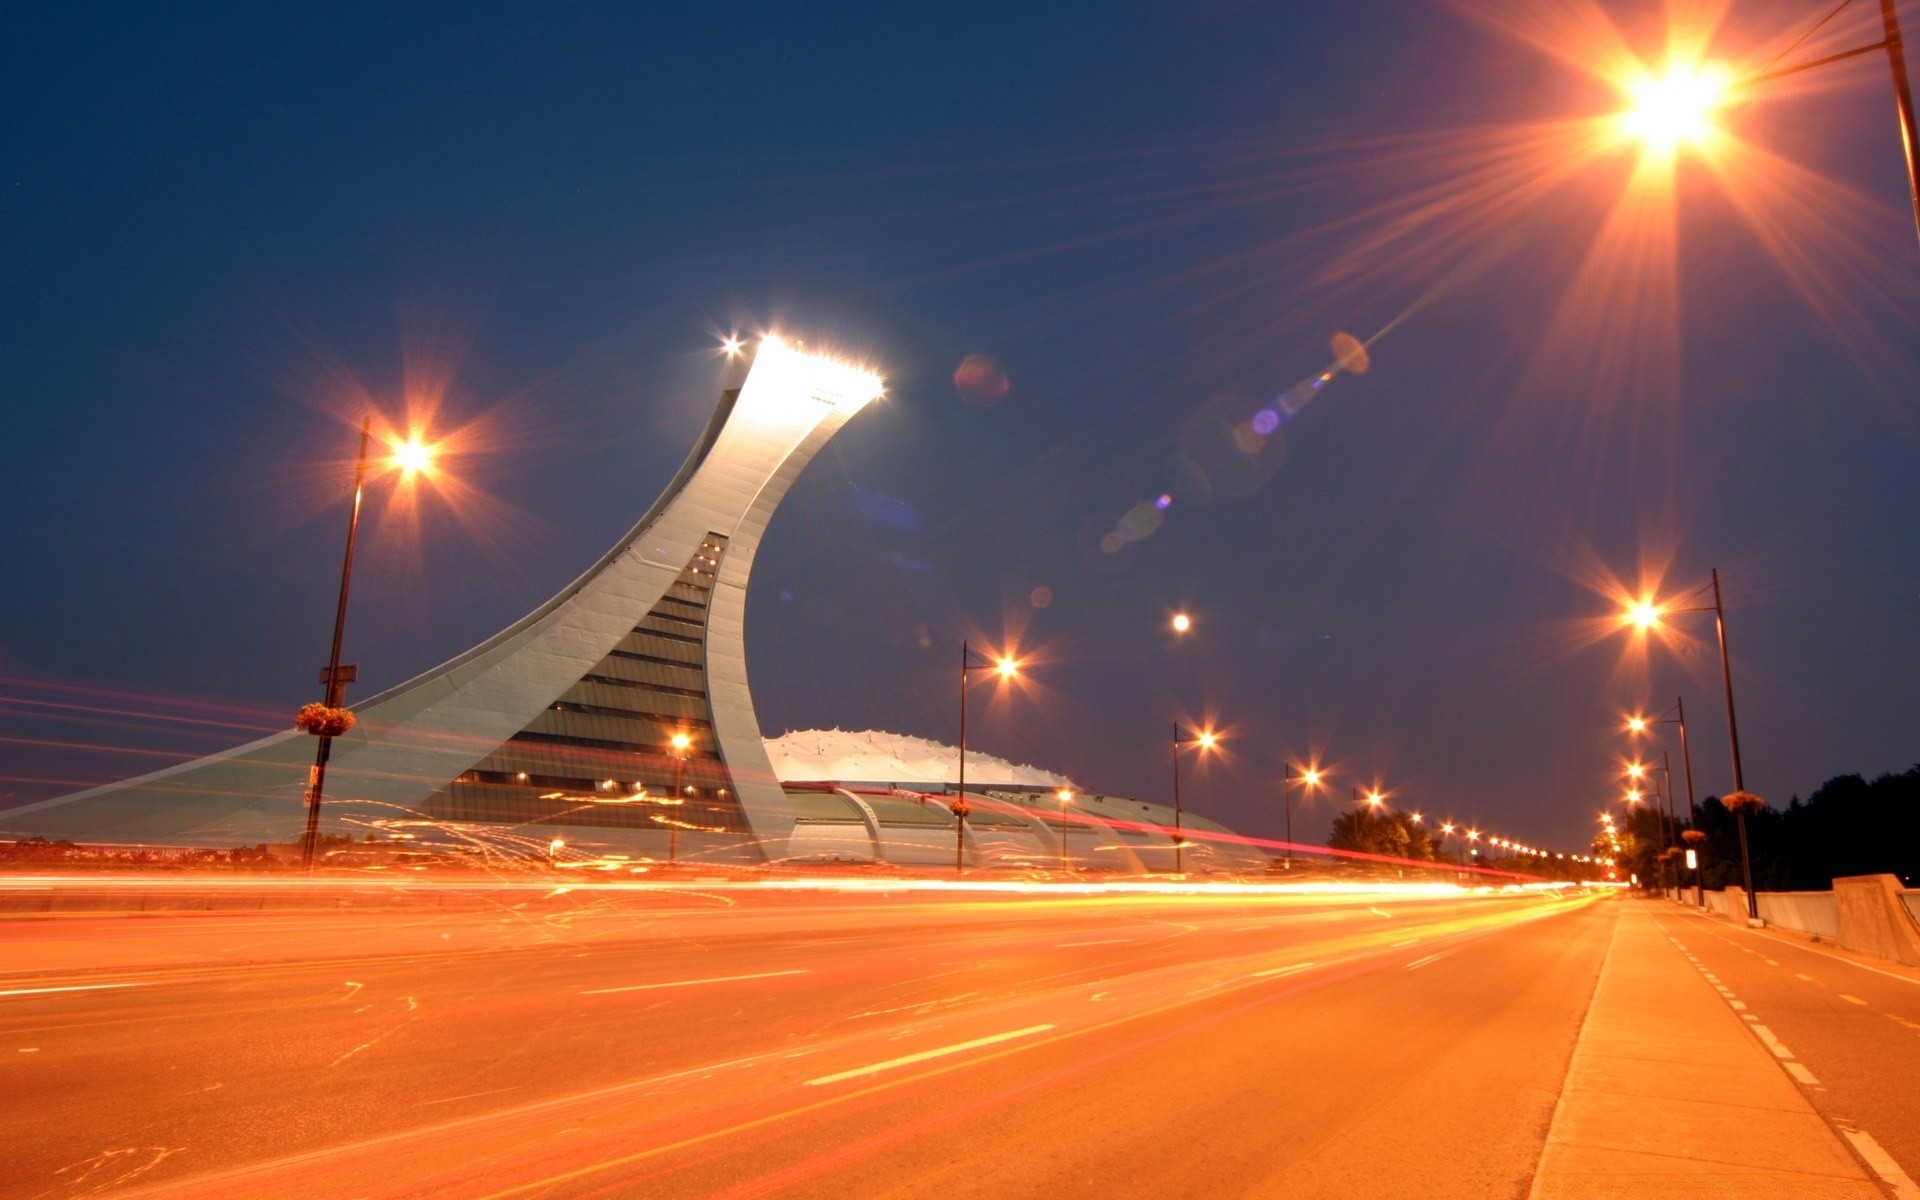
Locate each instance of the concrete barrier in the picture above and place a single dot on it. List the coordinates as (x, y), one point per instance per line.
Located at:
(1808, 912)
(1874, 918)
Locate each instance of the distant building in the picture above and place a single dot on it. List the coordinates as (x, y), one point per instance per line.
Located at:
(564, 726)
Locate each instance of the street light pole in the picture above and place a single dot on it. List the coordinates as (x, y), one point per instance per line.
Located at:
(1204, 739)
(959, 806)
(1007, 668)
(1064, 795)
(1286, 800)
(1178, 837)
(336, 676)
(1903, 100)
(680, 743)
(1733, 733)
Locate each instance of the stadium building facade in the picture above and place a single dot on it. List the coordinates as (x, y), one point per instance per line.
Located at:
(616, 718)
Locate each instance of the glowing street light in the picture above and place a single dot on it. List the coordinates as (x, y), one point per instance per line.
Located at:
(1007, 668)
(680, 742)
(1065, 797)
(1182, 622)
(1205, 740)
(413, 457)
(1310, 777)
(330, 717)
(1674, 108)
(1741, 799)
(1677, 715)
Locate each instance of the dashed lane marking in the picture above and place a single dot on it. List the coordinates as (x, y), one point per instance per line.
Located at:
(1882, 1164)
(680, 983)
(76, 987)
(907, 1060)
(1289, 970)
(1801, 1073)
(1772, 1043)
(1851, 999)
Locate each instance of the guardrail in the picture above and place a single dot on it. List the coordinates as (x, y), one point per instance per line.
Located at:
(1869, 914)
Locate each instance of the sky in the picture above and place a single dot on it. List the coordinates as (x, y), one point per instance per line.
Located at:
(1100, 253)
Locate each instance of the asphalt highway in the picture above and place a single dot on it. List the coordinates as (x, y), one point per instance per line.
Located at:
(1848, 1031)
(744, 1044)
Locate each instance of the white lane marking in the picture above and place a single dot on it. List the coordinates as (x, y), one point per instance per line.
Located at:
(1770, 962)
(1417, 963)
(1268, 974)
(1798, 975)
(909, 1059)
(1801, 1073)
(1851, 999)
(680, 983)
(1883, 1165)
(1101, 942)
(1737, 1005)
(1773, 1043)
(77, 987)
(1748, 1017)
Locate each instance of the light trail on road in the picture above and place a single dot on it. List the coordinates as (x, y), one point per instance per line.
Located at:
(483, 1051)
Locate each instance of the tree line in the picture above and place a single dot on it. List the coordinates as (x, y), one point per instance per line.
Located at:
(1848, 826)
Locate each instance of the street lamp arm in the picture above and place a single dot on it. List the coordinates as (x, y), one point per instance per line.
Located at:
(1783, 72)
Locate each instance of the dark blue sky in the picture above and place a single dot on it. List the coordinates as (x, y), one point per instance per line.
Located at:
(223, 222)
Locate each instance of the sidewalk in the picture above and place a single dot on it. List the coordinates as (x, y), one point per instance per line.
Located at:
(1670, 1095)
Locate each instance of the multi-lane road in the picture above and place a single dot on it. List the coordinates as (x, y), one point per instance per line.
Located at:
(745, 1042)
(1846, 1029)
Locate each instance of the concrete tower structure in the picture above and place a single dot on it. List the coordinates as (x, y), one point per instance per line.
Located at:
(565, 723)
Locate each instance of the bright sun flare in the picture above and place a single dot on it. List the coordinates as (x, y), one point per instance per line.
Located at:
(1674, 108)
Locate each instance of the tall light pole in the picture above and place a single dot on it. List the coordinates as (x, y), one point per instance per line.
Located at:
(1902, 91)
(335, 677)
(1310, 777)
(1006, 668)
(1666, 114)
(680, 742)
(1064, 795)
(1679, 717)
(1205, 740)
(1646, 614)
(330, 718)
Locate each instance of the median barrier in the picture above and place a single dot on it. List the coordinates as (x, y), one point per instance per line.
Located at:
(1875, 918)
(1808, 912)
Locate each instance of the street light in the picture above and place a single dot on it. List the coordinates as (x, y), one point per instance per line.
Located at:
(1206, 741)
(1677, 715)
(680, 742)
(1065, 796)
(1674, 108)
(1310, 777)
(1006, 667)
(330, 717)
(1647, 615)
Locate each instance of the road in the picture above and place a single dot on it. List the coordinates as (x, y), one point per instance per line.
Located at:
(1847, 1031)
(738, 1043)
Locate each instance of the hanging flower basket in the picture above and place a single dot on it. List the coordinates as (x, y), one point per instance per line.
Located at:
(321, 720)
(1669, 854)
(1693, 837)
(959, 808)
(1742, 802)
